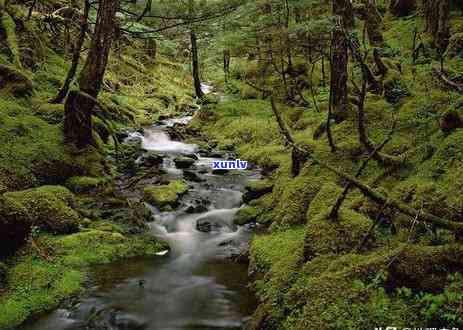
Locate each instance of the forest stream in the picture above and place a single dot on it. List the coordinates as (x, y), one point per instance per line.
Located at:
(195, 285)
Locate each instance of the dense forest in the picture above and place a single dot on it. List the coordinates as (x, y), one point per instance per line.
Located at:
(117, 116)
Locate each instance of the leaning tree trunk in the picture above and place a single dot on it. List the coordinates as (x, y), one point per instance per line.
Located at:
(79, 104)
(195, 64)
(63, 92)
(344, 9)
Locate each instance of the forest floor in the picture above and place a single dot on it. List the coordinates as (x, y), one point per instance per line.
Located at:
(373, 267)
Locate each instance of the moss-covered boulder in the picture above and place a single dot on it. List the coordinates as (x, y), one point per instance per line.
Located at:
(85, 184)
(256, 189)
(246, 215)
(13, 81)
(166, 196)
(49, 208)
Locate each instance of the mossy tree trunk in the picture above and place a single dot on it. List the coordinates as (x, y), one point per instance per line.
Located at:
(437, 21)
(79, 104)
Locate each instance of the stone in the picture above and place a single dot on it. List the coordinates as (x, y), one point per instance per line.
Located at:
(256, 189)
(183, 162)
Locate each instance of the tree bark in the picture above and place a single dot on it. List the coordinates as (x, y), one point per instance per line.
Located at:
(344, 9)
(338, 67)
(78, 107)
(374, 24)
(195, 65)
(63, 92)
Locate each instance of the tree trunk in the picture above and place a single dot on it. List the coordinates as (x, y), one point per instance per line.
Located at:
(195, 64)
(374, 24)
(75, 57)
(79, 107)
(344, 9)
(436, 13)
(402, 7)
(338, 84)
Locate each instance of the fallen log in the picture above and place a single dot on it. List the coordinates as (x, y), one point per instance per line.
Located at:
(375, 195)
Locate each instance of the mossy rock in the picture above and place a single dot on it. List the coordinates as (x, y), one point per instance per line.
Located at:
(246, 215)
(84, 184)
(15, 82)
(326, 236)
(256, 189)
(48, 208)
(165, 196)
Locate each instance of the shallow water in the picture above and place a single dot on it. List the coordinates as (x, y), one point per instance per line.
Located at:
(195, 285)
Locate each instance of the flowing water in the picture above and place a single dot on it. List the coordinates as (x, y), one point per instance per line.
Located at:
(193, 286)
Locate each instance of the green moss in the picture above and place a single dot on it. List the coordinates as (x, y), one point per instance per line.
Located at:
(85, 184)
(246, 215)
(167, 195)
(49, 207)
(36, 285)
(9, 26)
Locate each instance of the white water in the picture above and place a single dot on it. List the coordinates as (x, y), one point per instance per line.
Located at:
(194, 285)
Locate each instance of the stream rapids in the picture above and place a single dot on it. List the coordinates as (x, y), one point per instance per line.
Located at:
(195, 285)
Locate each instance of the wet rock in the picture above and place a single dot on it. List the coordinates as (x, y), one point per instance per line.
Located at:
(151, 159)
(192, 176)
(198, 206)
(183, 162)
(220, 172)
(192, 156)
(212, 223)
(256, 189)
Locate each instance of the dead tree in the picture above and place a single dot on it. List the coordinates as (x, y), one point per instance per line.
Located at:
(79, 104)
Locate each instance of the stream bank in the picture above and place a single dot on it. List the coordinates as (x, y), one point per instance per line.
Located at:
(193, 285)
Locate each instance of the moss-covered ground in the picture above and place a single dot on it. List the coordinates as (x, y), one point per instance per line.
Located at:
(311, 272)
